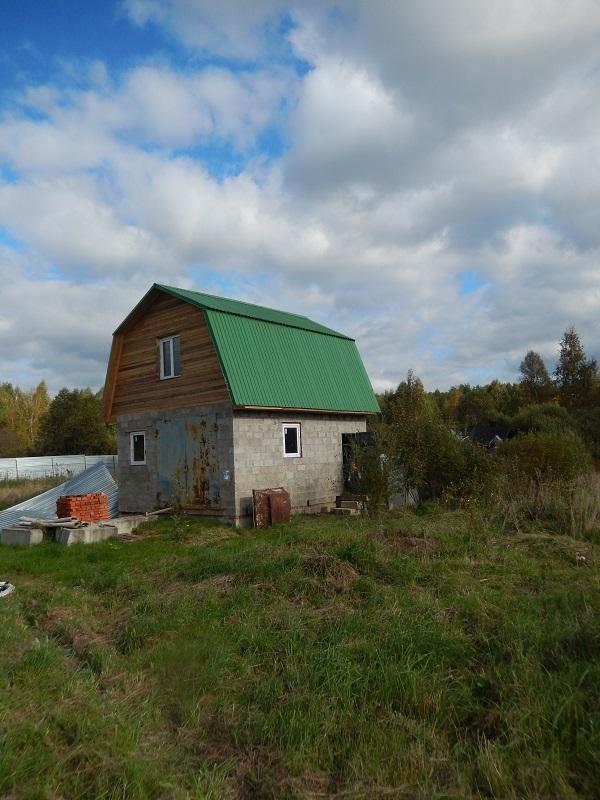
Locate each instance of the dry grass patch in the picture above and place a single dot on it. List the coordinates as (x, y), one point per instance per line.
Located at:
(334, 573)
(17, 491)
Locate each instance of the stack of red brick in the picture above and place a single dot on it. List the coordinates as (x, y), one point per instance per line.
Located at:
(86, 507)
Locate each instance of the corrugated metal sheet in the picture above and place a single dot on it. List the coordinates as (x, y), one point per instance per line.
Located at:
(285, 367)
(224, 304)
(94, 479)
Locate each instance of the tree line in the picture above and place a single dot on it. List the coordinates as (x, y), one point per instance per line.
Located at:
(569, 398)
(539, 463)
(32, 424)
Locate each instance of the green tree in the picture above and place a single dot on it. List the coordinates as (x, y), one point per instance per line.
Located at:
(73, 424)
(410, 410)
(536, 385)
(34, 404)
(11, 443)
(476, 405)
(20, 415)
(576, 375)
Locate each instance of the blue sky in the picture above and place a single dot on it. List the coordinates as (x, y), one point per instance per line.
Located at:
(423, 177)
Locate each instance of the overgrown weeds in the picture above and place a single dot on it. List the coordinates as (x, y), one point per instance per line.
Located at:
(563, 506)
(17, 490)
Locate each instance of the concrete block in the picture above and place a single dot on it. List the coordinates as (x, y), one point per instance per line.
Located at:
(344, 512)
(88, 535)
(125, 524)
(22, 536)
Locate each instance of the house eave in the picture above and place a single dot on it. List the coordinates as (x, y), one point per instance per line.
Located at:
(293, 410)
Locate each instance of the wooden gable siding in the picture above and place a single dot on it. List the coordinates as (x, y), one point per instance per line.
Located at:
(136, 383)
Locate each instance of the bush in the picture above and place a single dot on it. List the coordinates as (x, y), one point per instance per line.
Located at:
(544, 456)
(564, 506)
(425, 456)
(545, 477)
(543, 417)
(587, 421)
(452, 467)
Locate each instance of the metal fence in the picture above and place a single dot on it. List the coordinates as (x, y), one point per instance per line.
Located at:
(44, 466)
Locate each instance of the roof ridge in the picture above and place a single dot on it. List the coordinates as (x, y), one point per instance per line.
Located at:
(199, 299)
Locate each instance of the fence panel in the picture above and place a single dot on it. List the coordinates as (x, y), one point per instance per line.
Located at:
(45, 466)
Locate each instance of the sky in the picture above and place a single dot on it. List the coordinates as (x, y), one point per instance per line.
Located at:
(424, 177)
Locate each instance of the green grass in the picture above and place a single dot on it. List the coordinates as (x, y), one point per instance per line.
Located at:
(424, 655)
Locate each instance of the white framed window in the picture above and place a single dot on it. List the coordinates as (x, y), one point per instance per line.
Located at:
(170, 357)
(137, 447)
(292, 442)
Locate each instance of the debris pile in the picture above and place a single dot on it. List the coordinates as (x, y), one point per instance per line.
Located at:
(6, 588)
(92, 507)
(95, 479)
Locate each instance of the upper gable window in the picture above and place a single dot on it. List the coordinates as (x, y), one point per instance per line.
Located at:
(292, 446)
(170, 357)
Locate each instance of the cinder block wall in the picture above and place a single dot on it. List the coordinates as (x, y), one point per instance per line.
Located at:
(313, 480)
(138, 483)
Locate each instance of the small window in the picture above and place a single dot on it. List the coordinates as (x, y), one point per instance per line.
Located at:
(137, 447)
(170, 357)
(292, 446)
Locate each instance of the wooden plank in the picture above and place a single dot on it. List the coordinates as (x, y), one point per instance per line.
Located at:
(147, 350)
(138, 386)
(167, 389)
(111, 376)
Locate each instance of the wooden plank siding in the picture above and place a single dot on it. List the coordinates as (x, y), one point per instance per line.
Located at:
(133, 378)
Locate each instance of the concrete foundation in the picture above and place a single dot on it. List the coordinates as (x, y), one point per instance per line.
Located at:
(125, 524)
(22, 536)
(89, 535)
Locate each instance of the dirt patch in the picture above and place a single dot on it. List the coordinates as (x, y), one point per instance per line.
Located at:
(80, 636)
(72, 634)
(399, 541)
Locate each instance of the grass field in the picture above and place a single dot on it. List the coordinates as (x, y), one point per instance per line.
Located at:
(424, 655)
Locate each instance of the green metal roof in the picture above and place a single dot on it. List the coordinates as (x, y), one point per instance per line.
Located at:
(275, 359)
(209, 301)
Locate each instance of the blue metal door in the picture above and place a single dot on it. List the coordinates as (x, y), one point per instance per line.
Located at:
(188, 467)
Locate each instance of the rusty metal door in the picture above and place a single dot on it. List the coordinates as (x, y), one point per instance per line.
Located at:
(188, 467)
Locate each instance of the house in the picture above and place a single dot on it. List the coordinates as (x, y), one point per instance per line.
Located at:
(214, 398)
(490, 435)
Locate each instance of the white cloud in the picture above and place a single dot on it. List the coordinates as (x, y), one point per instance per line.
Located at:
(427, 140)
(231, 28)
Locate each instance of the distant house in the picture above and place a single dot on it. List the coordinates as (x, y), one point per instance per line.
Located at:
(214, 398)
(490, 435)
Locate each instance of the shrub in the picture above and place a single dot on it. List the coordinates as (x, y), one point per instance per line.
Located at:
(543, 417)
(587, 421)
(565, 506)
(545, 477)
(543, 456)
(423, 455)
